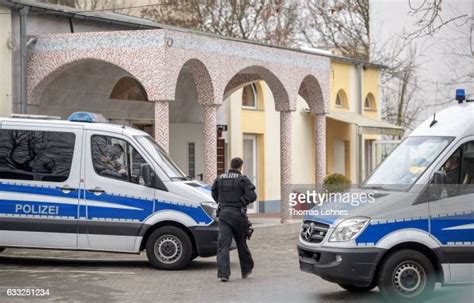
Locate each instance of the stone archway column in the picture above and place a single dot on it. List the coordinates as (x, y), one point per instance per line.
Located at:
(162, 125)
(210, 143)
(320, 148)
(285, 165)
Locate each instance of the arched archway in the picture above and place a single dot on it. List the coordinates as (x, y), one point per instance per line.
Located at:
(254, 130)
(255, 73)
(310, 90)
(95, 86)
(128, 88)
(201, 78)
(40, 79)
(191, 123)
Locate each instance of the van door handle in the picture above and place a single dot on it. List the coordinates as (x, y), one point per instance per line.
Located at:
(66, 189)
(96, 191)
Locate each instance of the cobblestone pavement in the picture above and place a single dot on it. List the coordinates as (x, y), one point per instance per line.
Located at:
(97, 277)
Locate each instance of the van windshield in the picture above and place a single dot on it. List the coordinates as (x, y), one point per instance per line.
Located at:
(166, 163)
(407, 163)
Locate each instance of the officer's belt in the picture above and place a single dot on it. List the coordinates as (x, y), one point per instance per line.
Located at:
(231, 206)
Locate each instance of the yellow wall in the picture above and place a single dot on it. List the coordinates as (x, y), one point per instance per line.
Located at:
(5, 63)
(303, 145)
(253, 123)
(341, 78)
(338, 131)
(370, 84)
(271, 163)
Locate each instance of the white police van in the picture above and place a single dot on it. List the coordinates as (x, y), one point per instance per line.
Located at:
(420, 228)
(97, 186)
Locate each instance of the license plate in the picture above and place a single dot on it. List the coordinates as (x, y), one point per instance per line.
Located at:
(306, 267)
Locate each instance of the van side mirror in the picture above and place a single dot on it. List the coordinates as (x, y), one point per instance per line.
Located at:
(438, 185)
(149, 178)
(145, 175)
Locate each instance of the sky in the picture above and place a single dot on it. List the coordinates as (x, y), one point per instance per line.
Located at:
(437, 62)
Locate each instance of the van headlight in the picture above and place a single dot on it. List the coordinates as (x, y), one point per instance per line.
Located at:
(349, 229)
(210, 208)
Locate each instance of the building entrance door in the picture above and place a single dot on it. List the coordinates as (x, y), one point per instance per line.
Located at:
(250, 164)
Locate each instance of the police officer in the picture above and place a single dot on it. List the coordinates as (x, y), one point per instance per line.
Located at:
(233, 192)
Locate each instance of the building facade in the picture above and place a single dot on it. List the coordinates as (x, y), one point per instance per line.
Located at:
(249, 128)
(204, 98)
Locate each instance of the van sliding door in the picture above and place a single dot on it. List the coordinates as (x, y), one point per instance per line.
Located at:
(116, 201)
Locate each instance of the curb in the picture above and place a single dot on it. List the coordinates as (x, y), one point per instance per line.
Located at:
(265, 230)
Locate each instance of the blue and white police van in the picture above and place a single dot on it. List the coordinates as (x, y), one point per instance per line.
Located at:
(82, 184)
(419, 230)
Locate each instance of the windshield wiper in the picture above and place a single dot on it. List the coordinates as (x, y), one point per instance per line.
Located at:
(178, 179)
(376, 187)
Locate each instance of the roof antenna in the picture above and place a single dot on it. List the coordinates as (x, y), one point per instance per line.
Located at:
(434, 115)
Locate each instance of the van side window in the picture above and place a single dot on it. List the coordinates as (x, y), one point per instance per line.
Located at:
(467, 172)
(459, 170)
(136, 162)
(36, 155)
(116, 158)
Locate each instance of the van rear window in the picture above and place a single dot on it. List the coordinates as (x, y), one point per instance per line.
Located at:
(36, 155)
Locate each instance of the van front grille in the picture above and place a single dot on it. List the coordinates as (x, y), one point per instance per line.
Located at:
(314, 232)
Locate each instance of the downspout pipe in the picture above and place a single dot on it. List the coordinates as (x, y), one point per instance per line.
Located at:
(23, 57)
(359, 136)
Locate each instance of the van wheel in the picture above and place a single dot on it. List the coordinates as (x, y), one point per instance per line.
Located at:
(353, 288)
(169, 247)
(406, 275)
(2, 249)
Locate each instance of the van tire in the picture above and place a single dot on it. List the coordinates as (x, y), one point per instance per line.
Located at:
(407, 275)
(2, 249)
(169, 248)
(353, 288)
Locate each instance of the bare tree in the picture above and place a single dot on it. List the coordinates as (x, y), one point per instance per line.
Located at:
(433, 16)
(458, 56)
(265, 21)
(400, 87)
(429, 18)
(343, 26)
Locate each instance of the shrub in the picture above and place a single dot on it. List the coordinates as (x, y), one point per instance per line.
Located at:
(336, 183)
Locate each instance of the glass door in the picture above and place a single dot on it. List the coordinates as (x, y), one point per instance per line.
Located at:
(250, 164)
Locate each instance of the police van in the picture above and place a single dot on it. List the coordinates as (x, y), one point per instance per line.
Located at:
(83, 184)
(419, 230)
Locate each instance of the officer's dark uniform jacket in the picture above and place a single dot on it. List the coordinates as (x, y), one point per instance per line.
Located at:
(232, 189)
(233, 192)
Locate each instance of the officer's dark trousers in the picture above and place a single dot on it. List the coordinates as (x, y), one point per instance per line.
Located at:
(232, 224)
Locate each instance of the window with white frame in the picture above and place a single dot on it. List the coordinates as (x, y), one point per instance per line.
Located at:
(341, 99)
(369, 102)
(249, 96)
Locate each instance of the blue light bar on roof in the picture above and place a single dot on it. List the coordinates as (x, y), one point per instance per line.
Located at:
(460, 95)
(88, 117)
